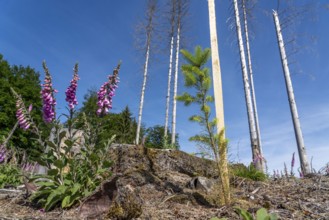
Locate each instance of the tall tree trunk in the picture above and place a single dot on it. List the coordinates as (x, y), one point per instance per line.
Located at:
(173, 132)
(172, 20)
(216, 71)
(257, 158)
(169, 84)
(251, 78)
(151, 6)
(291, 97)
(141, 104)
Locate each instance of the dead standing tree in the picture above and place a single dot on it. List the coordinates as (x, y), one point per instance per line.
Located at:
(291, 97)
(172, 21)
(182, 8)
(256, 151)
(148, 29)
(246, 12)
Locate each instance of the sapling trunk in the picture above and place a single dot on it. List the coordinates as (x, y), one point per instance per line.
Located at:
(196, 76)
(291, 98)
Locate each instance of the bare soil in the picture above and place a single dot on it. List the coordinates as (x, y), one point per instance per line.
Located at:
(154, 184)
(306, 198)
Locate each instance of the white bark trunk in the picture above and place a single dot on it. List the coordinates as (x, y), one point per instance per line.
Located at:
(143, 92)
(293, 108)
(169, 88)
(173, 132)
(252, 128)
(216, 71)
(251, 78)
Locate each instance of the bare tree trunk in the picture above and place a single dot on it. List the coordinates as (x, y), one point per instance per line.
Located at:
(173, 132)
(169, 84)
(141, 104)
(173, 16)
(257, 158)
(293, 108)
(251, 78)
(216, 71)
(148, 30)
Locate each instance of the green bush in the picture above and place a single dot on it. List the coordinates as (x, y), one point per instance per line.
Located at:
(10, 175)
(249, 172)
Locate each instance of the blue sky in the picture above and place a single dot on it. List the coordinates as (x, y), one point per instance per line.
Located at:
(98, 34)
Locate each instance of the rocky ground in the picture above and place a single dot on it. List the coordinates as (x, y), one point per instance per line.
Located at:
(164, 184)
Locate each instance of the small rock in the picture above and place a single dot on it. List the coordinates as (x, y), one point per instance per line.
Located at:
(201, 183)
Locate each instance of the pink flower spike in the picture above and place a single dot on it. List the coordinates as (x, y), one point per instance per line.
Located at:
(30, 108)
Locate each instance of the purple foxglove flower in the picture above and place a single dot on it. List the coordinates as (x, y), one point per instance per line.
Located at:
(22, 114)
(30, 108)
(2, 153)
(106, 93)
(301, 175)
(71, 90)
(293, 160)
(48, 99)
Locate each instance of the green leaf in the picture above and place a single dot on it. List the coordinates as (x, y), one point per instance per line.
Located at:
(66, 201)
(41, 161)
(59, 164)
(51, 144)
(53, 172)
(76, 187)
(273, 216)
(100, 171)
(261, 214)
(196, 118)
(190, 79)
(69, 143)
(62, 134)
(68, 182)
(186, 98)
(209, 98)
(55, 196)
(45, 183)
(206, 109)
(107, 163)
(93, 157)
(245, 215)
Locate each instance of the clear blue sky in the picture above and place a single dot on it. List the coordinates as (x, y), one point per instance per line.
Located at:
(98, 34)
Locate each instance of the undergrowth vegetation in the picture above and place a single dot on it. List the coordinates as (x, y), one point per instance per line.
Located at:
(75, 162)
(10, 175)
(249, 172)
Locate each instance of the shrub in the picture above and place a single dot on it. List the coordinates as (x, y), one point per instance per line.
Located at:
(10, 175)
(249, 172)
